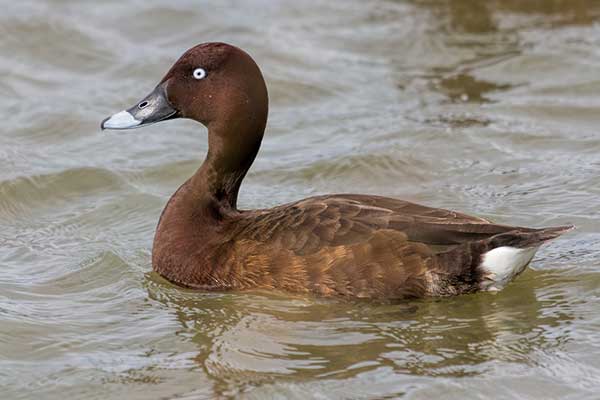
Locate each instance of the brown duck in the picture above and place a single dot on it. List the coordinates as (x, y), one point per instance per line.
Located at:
(348, 245)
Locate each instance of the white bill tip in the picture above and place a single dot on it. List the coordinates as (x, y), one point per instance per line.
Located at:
(121, 120)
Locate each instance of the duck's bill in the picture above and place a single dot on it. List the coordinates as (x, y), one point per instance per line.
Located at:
(153, 108)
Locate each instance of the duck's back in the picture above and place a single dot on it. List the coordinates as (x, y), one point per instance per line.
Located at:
(344, 219)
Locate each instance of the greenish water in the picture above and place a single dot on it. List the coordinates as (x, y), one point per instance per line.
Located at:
(489, 107)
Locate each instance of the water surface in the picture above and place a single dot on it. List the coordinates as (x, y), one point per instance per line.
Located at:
(486, 107)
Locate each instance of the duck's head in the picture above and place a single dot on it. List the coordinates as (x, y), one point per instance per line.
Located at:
(213, 83)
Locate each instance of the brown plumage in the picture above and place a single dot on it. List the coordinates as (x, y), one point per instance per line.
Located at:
(349, 245)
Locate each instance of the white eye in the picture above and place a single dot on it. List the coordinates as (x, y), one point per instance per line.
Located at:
(199, 73)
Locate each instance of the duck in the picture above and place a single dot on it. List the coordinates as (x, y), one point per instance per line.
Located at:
(352, 246)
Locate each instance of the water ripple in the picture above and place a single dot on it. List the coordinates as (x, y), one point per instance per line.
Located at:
(484, 107)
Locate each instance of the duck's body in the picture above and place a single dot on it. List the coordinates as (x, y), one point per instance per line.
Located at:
(336, 245)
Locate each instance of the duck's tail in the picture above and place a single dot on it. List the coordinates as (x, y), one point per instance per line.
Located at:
(488, 264)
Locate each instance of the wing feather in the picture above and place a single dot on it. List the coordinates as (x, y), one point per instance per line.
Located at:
(306, 226)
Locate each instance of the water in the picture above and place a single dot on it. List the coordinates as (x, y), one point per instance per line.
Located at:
(486, 107)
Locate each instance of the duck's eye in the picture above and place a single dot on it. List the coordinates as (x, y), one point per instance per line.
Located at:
(199, 73)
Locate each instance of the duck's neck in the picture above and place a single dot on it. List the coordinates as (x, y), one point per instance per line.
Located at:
(231, 150)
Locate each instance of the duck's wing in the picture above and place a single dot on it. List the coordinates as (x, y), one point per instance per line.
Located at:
(310, 224)
(374, 247)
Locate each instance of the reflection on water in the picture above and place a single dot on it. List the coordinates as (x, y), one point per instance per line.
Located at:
(485, 17)
(252, 339)
(463, 87)
(487, 107)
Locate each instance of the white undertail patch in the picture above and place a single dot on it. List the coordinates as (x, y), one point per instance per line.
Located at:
(502, 264)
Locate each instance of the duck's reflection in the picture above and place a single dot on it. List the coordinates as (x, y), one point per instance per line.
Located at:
(248, 338)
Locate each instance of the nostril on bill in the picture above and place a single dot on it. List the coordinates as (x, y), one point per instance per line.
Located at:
(143, 105)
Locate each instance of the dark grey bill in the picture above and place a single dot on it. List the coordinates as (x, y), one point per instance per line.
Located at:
(153, 108)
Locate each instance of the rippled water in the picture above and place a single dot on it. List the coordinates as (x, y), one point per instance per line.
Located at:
(487, 107)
